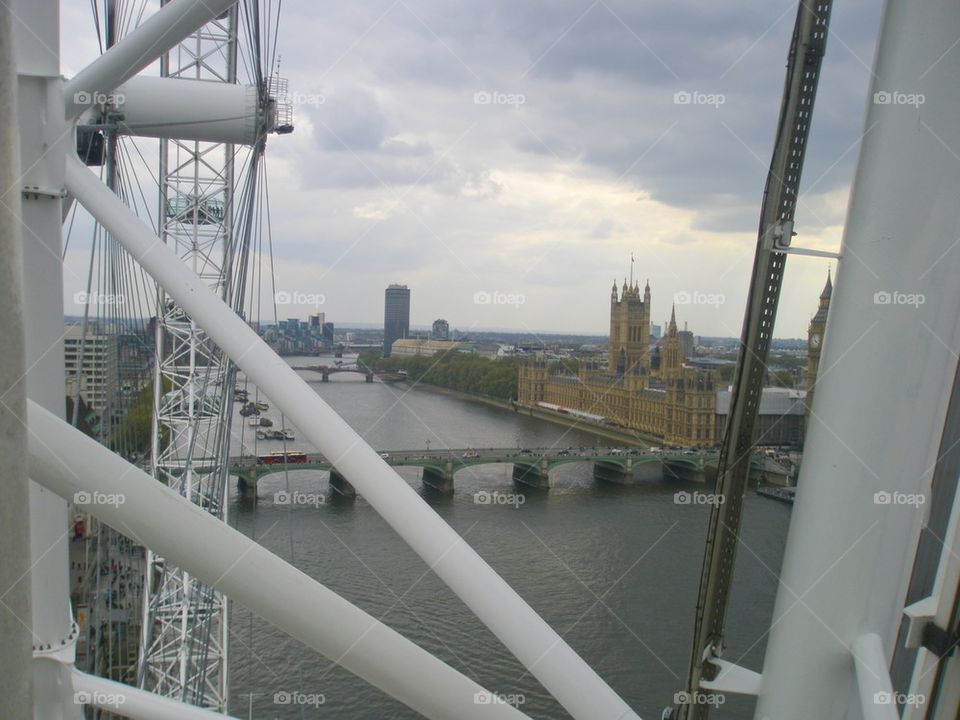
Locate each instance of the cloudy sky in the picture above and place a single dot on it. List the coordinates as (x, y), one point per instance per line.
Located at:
(525, 149)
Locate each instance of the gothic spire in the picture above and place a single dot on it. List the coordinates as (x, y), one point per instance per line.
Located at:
(828, 288)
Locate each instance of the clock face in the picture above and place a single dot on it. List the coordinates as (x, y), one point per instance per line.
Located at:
(815, 340)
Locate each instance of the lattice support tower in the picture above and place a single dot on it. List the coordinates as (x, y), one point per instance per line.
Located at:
(184, 650)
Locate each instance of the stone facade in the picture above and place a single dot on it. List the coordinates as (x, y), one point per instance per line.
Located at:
(409, 347)
(818, 325)
(665, 400)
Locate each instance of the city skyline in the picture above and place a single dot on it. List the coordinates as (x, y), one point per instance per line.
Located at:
(676, 304)
(421, 324)
(616, 142)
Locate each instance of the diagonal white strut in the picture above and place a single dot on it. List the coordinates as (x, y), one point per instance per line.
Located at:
(125, 701)
(66, 461)
(162, 31)
(554, 663)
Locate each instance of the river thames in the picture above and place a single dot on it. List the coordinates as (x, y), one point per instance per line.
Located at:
(614, 569)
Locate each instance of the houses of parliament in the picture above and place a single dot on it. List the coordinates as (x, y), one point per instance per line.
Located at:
(652, 393)
(657, 394)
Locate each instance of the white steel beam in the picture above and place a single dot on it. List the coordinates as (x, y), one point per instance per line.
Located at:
(183, 109)
(131, 702)
(889, 359)
(16, 681)
(169, 26)
(45, 140)
(732, 678)
(554, 663)
(873, 679)
(67, 462)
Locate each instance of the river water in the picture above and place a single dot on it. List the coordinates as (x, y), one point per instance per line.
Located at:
(614, 569)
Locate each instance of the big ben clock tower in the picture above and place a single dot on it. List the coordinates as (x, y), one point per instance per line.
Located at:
(815, 342)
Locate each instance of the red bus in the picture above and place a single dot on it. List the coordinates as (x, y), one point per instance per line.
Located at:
(279, 457)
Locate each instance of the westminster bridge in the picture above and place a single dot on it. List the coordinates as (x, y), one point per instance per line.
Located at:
(530, 467)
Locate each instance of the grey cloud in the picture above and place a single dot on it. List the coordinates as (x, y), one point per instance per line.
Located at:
(600, 91)
(350, 121)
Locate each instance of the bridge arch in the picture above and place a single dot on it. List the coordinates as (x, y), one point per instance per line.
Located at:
(530, 468)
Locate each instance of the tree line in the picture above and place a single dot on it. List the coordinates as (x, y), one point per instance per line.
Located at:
(464, 372)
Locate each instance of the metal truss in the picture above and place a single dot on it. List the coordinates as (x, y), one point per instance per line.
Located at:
(776, 225)
(184, 649)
